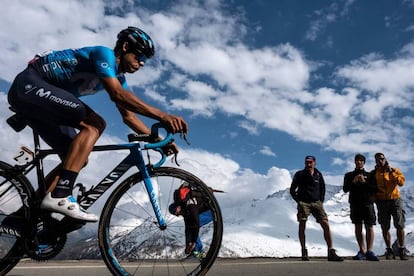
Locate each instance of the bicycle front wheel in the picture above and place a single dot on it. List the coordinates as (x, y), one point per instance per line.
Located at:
(15, 192)
(133, 243)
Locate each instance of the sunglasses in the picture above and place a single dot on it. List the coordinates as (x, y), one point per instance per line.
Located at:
(381, 159)
(140, 56)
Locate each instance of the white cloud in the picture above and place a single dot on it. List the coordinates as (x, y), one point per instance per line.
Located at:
(380, 118)
(266, 150)
(325, 16)
(250, 127)
(46, 26)
(202, 57)
(214, 169)
(390, 79)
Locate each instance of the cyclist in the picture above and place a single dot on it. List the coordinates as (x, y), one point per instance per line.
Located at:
(195, 214)
(46, 94)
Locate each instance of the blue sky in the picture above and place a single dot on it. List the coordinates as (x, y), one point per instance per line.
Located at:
(261, 83)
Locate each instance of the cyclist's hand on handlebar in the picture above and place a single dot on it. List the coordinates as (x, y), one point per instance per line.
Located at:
(176, 123)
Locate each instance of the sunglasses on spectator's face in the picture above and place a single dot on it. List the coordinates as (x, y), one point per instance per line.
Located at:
(380, 158)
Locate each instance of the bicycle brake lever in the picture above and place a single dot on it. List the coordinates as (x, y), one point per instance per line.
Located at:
(174, 159)
(184, 137)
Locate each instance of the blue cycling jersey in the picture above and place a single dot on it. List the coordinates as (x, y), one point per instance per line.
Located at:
(78, 70)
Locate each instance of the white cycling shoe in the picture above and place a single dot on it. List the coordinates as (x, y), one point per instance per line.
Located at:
(67, 206)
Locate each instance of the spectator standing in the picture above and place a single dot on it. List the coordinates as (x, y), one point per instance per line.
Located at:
(389, 203)
(308, 190)
(362, 207)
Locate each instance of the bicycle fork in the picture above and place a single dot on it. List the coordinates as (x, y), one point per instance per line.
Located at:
(151, 193)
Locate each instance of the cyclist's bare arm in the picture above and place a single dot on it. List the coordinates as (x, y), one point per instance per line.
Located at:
(137, 125)
(131, 102)
(131, 120)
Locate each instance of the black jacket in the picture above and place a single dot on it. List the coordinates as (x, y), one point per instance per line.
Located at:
(306, 187)
(359, 193)
(192, 209)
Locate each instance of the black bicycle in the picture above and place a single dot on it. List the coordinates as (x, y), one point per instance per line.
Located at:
(137, 235)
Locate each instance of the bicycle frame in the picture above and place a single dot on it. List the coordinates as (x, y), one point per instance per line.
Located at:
(134, 158)
(41, 236)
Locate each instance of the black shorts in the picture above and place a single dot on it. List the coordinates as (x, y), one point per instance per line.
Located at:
(54, 112)
(363, 214)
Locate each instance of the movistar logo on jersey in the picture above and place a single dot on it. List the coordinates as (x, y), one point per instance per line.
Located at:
(48, 95)
(41, 93)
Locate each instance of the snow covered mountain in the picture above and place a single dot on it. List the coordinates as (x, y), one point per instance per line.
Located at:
(268, 228)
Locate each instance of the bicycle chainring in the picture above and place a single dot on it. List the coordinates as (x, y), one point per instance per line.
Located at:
(44, 241)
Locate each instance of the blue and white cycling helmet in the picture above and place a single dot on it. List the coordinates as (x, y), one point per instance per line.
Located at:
(141, 41)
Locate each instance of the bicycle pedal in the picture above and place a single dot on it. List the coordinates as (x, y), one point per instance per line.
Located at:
(68, 224)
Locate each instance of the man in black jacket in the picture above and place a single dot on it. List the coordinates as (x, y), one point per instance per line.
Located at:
(308, 190)
(361, 202)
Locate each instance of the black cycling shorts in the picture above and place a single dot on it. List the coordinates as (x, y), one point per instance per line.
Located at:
(54, 112)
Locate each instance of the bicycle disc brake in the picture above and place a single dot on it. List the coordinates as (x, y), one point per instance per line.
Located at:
(44, 241)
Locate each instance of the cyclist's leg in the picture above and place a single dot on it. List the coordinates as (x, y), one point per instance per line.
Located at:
(63, 140)
(61, 187)
(82, 146)
(42, 102)
(57, 137)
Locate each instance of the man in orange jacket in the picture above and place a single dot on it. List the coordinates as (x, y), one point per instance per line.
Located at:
(389, 203)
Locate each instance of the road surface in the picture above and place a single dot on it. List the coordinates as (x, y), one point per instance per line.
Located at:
(239, 267)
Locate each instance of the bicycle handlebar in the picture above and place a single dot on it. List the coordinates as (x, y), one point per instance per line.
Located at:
(154, 134)
(157, 146)
(151, 137)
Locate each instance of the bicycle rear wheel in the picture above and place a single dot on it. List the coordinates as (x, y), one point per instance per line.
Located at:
(15, 195)
(131, 241)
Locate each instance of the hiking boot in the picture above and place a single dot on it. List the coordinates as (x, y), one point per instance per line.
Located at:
(333, 257)
(389, 254)
(67, 206)
(370, 256)
(403, 253)
(305, 255)
(359, 256)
